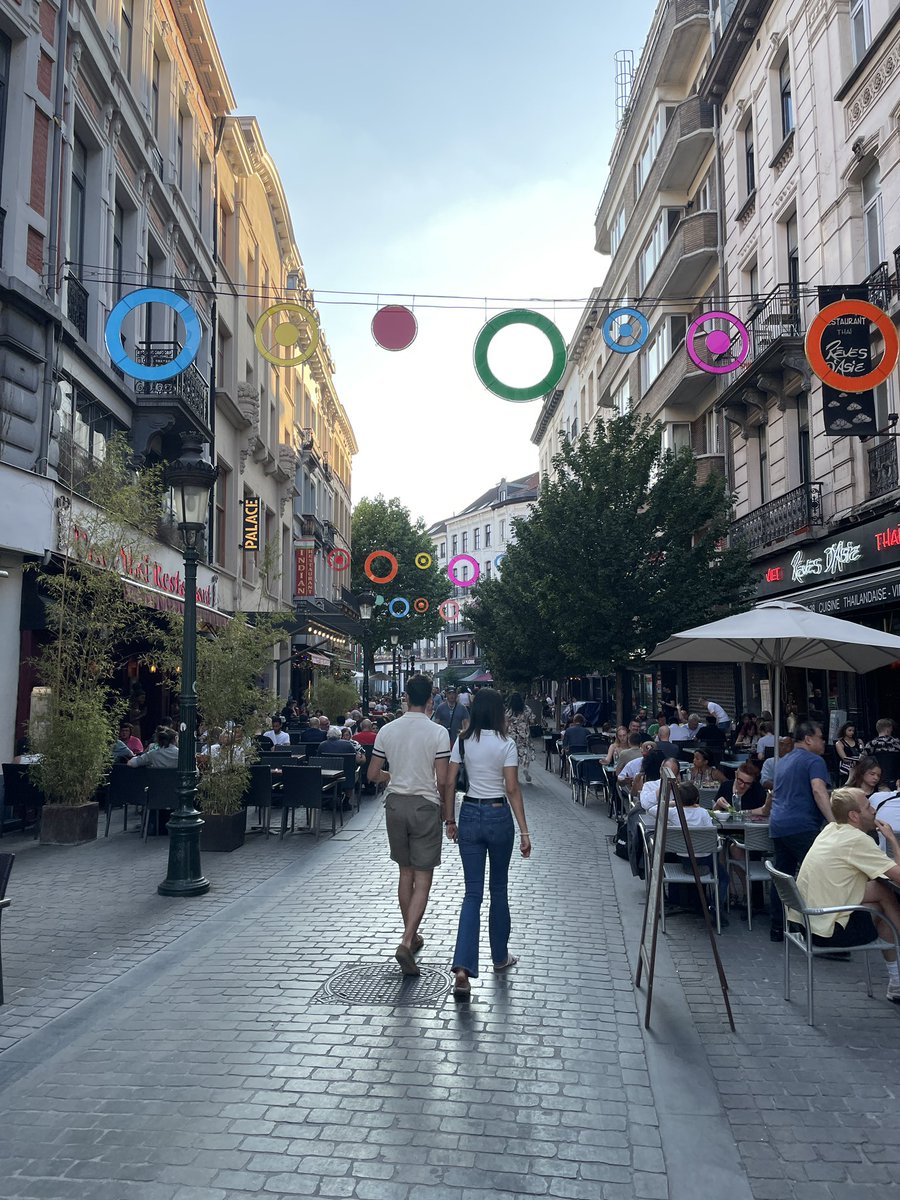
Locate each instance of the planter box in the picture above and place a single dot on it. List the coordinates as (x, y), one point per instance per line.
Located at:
(62, 825)
(223, 834)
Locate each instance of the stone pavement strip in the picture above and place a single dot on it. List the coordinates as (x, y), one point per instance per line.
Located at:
(174, 1050)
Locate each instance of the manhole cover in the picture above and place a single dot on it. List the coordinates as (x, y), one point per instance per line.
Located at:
(376, 983)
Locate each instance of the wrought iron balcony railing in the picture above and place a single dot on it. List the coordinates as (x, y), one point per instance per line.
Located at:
(882, 468)
(189, 386)
(880, 285)
(897, 270)
(778, 315)
(794, 512)
(77, 297)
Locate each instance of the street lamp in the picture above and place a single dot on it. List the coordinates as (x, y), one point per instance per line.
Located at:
(366, 605)
(191, 478)
(394, 635)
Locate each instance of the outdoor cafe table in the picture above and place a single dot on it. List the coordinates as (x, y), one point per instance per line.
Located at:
(576, 762)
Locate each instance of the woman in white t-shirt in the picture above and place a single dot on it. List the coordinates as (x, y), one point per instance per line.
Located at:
(485, 831)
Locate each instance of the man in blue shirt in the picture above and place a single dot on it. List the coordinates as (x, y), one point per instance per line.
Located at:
(800, 807)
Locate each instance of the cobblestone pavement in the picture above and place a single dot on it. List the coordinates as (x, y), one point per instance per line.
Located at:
(177, 1050)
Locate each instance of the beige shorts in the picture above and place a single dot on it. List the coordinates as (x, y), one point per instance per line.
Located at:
(414, 830)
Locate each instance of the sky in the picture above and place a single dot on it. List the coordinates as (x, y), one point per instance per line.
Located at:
(445, 148)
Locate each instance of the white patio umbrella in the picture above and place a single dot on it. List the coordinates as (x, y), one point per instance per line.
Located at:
(782, 633)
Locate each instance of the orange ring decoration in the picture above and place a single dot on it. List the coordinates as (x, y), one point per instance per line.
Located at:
(381, 578)
(851, 308)
(443, 609)
(421, 605)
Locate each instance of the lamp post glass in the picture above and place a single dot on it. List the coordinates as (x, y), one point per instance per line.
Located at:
(366, 603)
(191, 479)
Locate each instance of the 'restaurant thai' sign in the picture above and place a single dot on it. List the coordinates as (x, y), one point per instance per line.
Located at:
(847, 349)
(250, 537)
(862, 548)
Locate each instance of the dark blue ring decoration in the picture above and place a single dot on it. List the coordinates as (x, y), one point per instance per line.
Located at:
(498, 559)
(399, 600)
(635, 315)
(192, 328)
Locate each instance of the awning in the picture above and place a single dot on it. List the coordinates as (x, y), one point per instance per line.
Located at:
(150, 597)
(478, 677)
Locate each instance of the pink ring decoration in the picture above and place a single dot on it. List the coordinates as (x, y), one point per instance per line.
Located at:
(394, 327)
(718, 316)
(451, 573)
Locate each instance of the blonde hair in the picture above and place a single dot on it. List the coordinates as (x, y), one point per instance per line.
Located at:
(846, 800)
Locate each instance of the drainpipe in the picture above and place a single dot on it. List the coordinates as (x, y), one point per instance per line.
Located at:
(54, 325)
(214, 307)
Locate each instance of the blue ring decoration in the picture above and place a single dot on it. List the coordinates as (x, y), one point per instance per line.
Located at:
(637, 316)
(182, 360)
(498, 560)
(399, 600)
(379, 600)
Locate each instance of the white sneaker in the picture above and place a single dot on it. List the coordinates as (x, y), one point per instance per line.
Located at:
(893, 992)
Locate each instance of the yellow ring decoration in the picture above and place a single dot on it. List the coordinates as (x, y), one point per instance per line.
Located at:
(423, 561)
(290, 334)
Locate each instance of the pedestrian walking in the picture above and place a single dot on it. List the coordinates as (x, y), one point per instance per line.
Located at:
(485, 831)
(519, 719)
(417, 751)
(451, 714)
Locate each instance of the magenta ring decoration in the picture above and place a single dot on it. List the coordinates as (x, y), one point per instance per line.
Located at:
(626, 330)
(451, 573)
(717, 342)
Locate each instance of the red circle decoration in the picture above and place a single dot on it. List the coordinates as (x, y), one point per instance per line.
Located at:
(827, 373)
(394, 327)
(381, 578)
(443, 609)
(338, 559)
(421, 605)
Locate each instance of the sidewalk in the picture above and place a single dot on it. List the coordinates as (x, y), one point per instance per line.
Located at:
(180, 1050)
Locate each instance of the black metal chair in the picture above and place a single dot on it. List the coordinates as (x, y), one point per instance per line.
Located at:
(20, 794)
(127, 785)
(330, 763)
(301, 787)
(592, 777)
(6, 866)
(162, 794)
(597, 743)
(259, 792)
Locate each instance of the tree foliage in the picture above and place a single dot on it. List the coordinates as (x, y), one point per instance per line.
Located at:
(381, 524)
(623, 547)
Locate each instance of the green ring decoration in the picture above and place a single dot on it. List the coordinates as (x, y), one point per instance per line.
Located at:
(519, 316)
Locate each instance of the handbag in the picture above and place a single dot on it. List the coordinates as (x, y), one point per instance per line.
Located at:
(462, 779)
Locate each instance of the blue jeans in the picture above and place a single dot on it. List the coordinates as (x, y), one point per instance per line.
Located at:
(484, 832)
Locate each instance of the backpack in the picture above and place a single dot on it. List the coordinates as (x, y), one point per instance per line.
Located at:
(620, 838)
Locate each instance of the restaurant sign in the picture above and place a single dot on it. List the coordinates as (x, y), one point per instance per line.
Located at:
(847, 350)
(862, 548)
(250, 539)
(305, 568)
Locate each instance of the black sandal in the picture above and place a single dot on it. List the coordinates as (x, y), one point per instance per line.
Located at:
(511, 961)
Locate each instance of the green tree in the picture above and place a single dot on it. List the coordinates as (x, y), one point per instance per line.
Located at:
(624, 546)
(381, 524)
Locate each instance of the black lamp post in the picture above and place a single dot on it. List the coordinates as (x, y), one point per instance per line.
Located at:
(366, 603)
(191, 478)
(395, 638)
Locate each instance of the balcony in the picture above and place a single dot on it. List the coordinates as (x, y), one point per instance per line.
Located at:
(312, 527)
(687, 139)
(678, 383)
(689, 256)
(882, 468)
(882, 285)
(793, 513)
(77, 297)
(742, 19)
(179, 404)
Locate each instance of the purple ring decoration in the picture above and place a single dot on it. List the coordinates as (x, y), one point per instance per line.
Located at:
(717, 315)
(451, 573)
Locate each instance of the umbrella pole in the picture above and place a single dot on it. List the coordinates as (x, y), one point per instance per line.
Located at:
(777, 707)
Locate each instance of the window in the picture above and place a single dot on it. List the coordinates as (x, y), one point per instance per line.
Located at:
(118, 241)
(617, 230)
(651, 146)
(786, 96)
(764, 489)
(652, 251)
(749, 158)
(442, 553)
(223, 247)
(622, 398)
(803, 436)
(126, 37)
(859, 28)
(503, 530)
(487, 536)
(476, 538)
(873, 224)
(179, 149)
(713, 433)
(85, 429)
(792, 252)
(154, 94)
(662, 345)
(753, 284)
(5, 53)
(678, 436)
(703, 196)
(454, 545)
(487, 568)
(221, 526)
(465, 542)
(77, 207)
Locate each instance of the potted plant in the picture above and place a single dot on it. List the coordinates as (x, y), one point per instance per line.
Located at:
(220, 796)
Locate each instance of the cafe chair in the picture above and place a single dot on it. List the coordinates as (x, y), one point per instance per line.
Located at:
(259, 793)
(6, 866)
(21, 796)
(301, 788)
(753, 839)
(705, 843)
(330, 763)
(162, 795)
(798, 934)
(127, 785)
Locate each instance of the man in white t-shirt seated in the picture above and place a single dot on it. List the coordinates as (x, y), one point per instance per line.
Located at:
(681, 732)
(277, 735)
(723, 721)
(844, 866)
(650, 791)
(636, 766)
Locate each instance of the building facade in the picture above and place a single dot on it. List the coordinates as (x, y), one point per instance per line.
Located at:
(117, 160)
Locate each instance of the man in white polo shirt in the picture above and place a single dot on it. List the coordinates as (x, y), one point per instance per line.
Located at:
(417, 751)
(723, 721)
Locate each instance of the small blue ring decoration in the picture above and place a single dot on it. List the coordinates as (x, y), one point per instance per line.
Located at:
(399, 600)
(192, 328)
(632, 313)
(498, 560)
